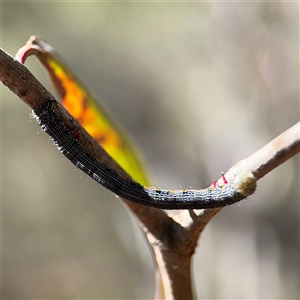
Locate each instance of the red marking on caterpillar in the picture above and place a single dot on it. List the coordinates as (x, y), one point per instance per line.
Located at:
(224, 179)
(211, 197)
(76, 133)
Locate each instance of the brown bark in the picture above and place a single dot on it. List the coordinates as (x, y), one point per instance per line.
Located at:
(173, 240)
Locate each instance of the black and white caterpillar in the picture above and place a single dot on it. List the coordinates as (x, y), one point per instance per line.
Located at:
(214, 196)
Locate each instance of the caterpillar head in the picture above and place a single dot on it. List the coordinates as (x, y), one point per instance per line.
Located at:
(245, 184)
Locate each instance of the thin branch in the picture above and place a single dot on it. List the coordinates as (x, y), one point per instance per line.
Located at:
(173, 240)
(263, 161)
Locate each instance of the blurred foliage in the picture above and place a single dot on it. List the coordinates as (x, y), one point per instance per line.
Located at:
(199, 86)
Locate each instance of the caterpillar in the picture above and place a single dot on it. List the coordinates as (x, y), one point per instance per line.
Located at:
(67, 143)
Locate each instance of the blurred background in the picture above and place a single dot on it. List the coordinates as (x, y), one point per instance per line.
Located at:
(198, 86)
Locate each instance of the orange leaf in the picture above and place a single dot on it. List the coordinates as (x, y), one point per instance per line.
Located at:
(83, 106)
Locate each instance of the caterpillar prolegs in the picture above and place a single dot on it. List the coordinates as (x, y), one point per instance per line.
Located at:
(211, 197)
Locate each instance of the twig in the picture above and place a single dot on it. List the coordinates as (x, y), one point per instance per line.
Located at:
(173, 240)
